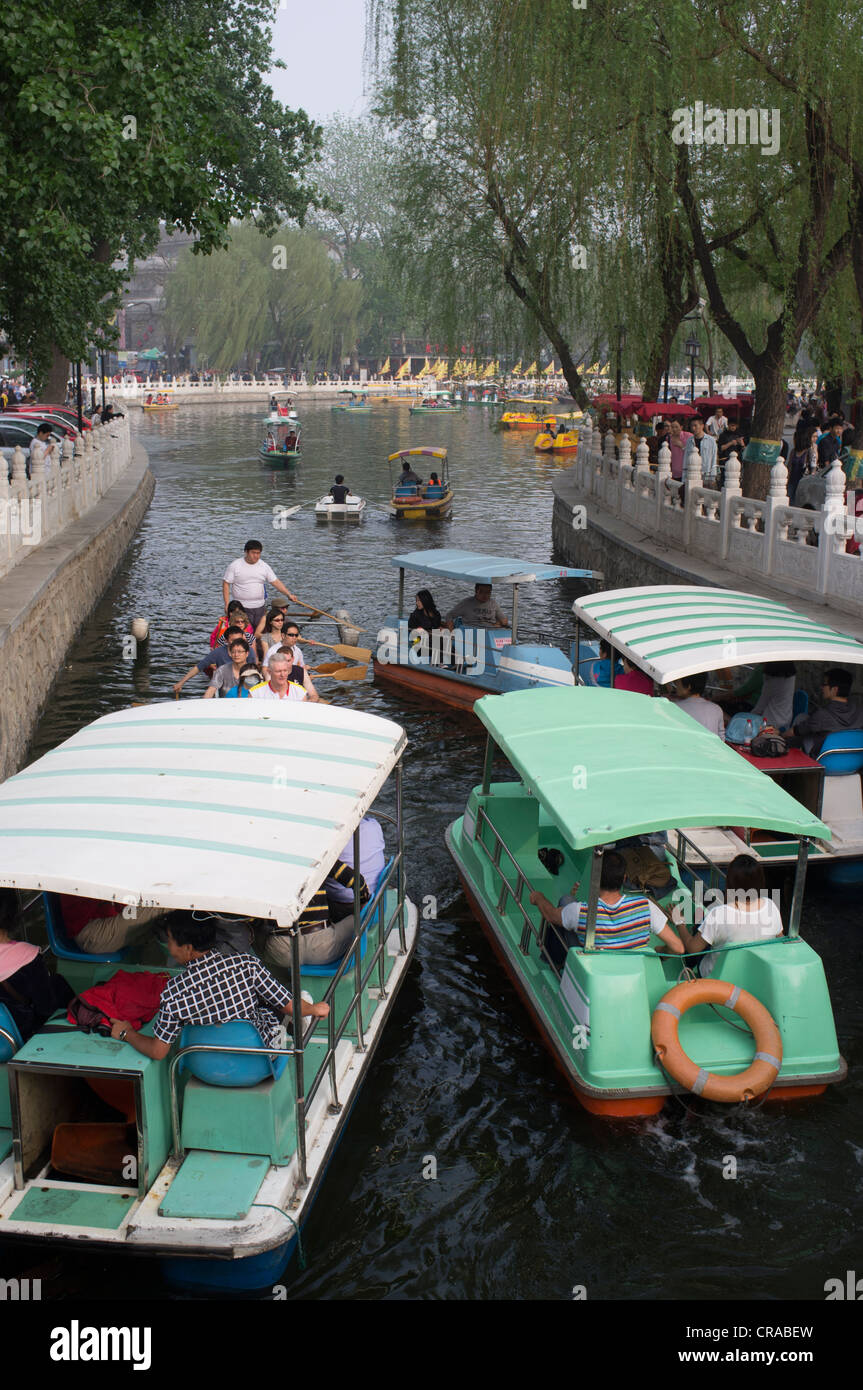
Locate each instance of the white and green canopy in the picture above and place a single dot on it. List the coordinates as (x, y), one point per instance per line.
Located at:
(675, 630)
(241, 807)
(606, 764)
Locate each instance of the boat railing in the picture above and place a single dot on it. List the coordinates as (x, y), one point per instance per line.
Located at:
(373, 919)
(529, 928)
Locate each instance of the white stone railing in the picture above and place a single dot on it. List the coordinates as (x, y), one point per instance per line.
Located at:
(36, 509)
(801, 551)
(181, 388)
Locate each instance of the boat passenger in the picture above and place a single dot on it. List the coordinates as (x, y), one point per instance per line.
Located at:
(214, 988)
(246, 579)
(339, 491)
(273, 632)
(288, 643)
(236, 616)
(624, 921)
(425, 614)
(99, 927)
(322, 940)
(218, 657)
(748, 913)
(479, 611)
(600, 670)
(689, 696)
(250, 676)
(631, 678)
(149, 400)
(408, 476)
(227, 677)
(372, 861)
(289, 680)
(840, 711)
(775, 704)
(29, 990)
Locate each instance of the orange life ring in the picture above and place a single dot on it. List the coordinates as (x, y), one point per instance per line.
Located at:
(745, 1085)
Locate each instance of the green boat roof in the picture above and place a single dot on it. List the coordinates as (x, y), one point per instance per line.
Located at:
(609, 763)
(674, 630)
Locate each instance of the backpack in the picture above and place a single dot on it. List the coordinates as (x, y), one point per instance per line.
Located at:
(768, 746)
(743, 728)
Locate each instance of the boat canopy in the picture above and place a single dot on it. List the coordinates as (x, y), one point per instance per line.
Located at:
(411, 453)
(483, 569)
(242, 810)
(606, 764)
(675, 630)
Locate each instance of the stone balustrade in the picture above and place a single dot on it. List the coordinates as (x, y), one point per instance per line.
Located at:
(800, 551)
(36, 509)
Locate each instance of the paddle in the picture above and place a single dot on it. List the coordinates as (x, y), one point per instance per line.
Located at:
(340, 649)
(326, 668)
(322, 613)
(344, 673)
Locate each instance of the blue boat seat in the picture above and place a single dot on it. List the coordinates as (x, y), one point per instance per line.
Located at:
(8, 1024)
(62, 944)
(219, 1069)
(407, 491)
(433, 491)
(842, 753)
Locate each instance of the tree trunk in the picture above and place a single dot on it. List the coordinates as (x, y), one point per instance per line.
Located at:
(57, 380)
(768, 422)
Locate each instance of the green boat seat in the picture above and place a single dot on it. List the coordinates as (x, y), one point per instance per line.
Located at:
(10, 1037)
(219, 1069)
(62, 944)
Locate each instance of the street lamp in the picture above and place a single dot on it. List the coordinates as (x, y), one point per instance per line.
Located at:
(693, 348)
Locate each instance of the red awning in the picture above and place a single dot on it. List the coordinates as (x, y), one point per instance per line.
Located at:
(616, 402)
(669, 408)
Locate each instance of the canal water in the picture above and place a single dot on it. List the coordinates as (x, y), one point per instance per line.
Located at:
(533, 1198)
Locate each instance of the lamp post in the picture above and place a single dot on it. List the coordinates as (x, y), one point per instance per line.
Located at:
(693, 348)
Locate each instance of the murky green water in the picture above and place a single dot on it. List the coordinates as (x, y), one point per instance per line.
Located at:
(532, 1196)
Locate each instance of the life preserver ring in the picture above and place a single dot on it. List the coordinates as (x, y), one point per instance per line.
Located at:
(745, 1085)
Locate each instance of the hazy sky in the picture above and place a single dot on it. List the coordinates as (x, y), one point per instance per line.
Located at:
(322, 43)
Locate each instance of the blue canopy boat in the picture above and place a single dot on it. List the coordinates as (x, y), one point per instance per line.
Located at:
(455, 669)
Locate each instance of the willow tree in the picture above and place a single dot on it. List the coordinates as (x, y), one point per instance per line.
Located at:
(282, 289)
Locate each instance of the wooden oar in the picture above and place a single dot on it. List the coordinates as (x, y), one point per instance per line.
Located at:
(326, 668)
(340, 649)
(322, 613)
(344, 673)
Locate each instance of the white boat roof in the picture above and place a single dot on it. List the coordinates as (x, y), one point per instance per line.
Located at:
(473, 567)
(675, 630)
(197, 804)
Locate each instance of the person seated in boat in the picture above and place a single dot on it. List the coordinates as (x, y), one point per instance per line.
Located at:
(340, 897)
(775, 704)
(631, 678)
(689, 696)
(479, 611)
(236, 616)
(290, 441)
(289, 680)
(213, 988)
(215, 658)
(270, 442)
(737, 687)
(99, 927)
(840, 711)
(408, 476)
(290, 636)
(322, 940)
(272, 634)
(29, 990)
(250, 676)
(339, 491)
(624, 921)
(274, 405)
(227, 677)
(425, 616)
(149, 400)
(434, 480)
(748, 913)
(600, 670)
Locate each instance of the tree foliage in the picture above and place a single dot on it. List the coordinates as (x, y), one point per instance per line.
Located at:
(116, 115)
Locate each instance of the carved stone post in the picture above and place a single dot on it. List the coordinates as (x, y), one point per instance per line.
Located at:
(663, 473)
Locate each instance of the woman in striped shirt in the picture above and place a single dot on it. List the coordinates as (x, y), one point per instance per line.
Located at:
(624, 921)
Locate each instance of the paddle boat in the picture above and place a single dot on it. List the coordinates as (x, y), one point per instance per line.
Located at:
(161, 402)
(536, 418)
(564, 442)
(350, 510)
(600, 767)
(421, 501)
(670, 631)
(284, 411)
(223, 1146)
(455, 669)
(282, 443)
(435, 403)
(357, 403)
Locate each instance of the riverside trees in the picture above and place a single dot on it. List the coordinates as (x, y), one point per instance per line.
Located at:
(116, 115)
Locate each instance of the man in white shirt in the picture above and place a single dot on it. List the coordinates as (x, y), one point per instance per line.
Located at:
(246, 581)
(705, 444)
(43, 449)
(717, 422)
(286, 682)
(690, 697)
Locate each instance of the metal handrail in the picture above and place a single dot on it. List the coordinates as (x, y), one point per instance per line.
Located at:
(506, 890)
(9, 1038)
(178, 1151)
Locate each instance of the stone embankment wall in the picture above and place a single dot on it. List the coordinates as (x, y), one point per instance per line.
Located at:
(47, 596)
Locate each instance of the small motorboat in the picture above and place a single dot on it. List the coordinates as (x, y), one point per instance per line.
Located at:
(435, 403)
(350, 510)
(418, 501)
(282, 443)
(537, 418)
(161, 402)
(563, 442)
(357, 403)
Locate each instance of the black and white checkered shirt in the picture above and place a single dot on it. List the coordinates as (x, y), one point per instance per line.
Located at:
(216, 989)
